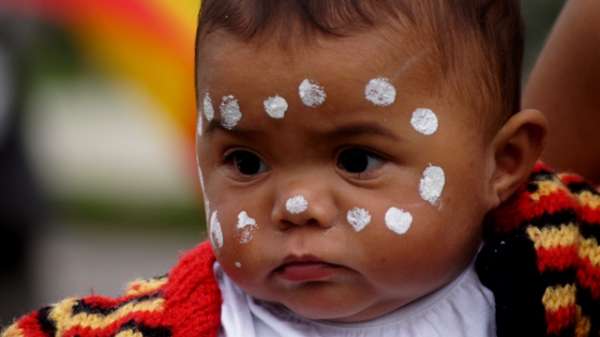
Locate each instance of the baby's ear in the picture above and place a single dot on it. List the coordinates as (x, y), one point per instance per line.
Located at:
(517, 147)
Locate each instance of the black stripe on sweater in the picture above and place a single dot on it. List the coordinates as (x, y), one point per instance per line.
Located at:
(82, 307)
(555, 278)
(145, 330)
(590, 308)
(589, 231)
(46, 323)
(578, 188)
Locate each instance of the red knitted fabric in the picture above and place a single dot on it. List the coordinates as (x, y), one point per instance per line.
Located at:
(187, 304)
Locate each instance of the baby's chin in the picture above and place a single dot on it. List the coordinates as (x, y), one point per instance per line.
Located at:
(343, 309)
(332, 312)
(340, 312)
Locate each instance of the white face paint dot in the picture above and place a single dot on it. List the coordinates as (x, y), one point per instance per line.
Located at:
(398, 221)
(216, 234)
(230, 112)
(296, 205)
(238, 265)
(276, 107)
(209, 110)
(380, 92)
(359, 218)
(432, 184)
(311, 93)
(425, 121)
(246, 225)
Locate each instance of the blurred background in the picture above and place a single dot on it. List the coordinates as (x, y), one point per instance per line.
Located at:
(98, 183)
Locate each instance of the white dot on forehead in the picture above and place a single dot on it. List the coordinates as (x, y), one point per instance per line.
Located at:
(380, 92)
(358, 218)
(296, 205)
(398, 220)
(207, 105)
(311, 93)
(238, 265)
(216, 233)
(276, 107)
(246, 226)
(432, 184)
(425, 121)
(230, 112)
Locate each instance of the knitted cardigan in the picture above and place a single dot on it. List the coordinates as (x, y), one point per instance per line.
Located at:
(540, 258)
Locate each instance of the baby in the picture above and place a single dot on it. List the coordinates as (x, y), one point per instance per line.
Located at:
(350, 153)
(350, 150)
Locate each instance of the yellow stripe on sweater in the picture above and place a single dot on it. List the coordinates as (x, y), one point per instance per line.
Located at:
(62, 315)
(129, 333)
(140, 287)
(559, 297)
(589, 249)
(546, 188)
(589, 199)
(13, 331)
(554, 237)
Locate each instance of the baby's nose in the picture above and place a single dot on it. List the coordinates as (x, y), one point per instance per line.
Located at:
(307, 206)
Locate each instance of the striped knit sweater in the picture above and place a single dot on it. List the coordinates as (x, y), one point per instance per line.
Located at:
(541, 259)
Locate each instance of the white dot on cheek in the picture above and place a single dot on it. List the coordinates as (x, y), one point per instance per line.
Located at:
(380, 92)
(216, 234)
(398, 220)
(230, 112)
(425, 121)
(276, 107)
(311, 93)
(238, 265)
(358, 218)
(432, 184)
(246, 226)
(296, 205)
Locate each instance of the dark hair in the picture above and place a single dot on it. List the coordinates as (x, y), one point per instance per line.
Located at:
(479, 43)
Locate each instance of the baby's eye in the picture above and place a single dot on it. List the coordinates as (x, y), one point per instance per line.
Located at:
(245, 162)
(357, 160)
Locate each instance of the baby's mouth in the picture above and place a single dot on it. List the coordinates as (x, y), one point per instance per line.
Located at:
(306, 268)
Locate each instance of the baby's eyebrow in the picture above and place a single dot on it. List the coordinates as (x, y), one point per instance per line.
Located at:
(216, 124)
(343, 131)
(361, 129)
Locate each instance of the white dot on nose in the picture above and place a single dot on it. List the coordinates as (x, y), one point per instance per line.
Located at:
(296, 205)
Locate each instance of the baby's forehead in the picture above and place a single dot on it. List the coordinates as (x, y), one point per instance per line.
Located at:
(223, 58)
(344, 67)
(355, 78)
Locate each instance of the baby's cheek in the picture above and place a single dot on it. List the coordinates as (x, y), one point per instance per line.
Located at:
(237, 236)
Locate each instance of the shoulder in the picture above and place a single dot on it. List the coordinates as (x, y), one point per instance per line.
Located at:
(156, 307)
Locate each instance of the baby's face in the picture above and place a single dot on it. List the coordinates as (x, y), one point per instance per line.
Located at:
(340, 183)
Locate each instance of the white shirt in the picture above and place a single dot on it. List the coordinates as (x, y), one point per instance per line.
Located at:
(462, 308)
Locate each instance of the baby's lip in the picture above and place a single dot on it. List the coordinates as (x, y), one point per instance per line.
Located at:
(301, 258)
(305, 268)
